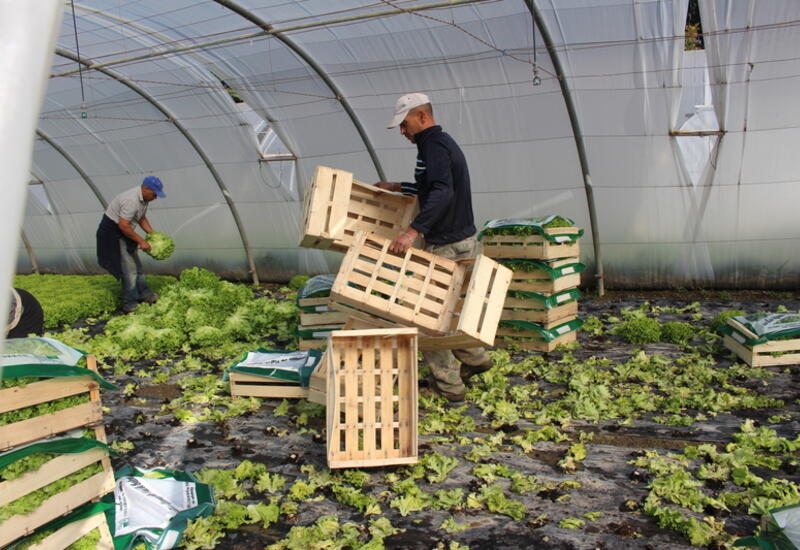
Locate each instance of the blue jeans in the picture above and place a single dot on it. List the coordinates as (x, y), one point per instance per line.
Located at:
(134, 287)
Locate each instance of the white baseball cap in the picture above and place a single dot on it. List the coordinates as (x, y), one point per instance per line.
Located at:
(404, 105)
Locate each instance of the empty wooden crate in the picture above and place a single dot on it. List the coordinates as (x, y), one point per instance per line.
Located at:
(444, 298)
(372, 398)
(336, 206)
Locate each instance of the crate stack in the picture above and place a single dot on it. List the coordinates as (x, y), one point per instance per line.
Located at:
(541, 307)
(400, 303)
(317, 317)
(47, 405)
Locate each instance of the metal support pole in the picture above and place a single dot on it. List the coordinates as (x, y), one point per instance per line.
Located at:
(31, 255)
(577, 135)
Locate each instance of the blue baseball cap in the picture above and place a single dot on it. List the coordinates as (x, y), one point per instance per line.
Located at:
(155, 184)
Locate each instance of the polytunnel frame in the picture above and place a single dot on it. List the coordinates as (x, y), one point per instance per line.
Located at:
(195, 145)
(577, 134)
(300, 52)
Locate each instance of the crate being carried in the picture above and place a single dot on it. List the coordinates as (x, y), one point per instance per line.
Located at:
(547, 238)
(532, 336)
(317, 316)
(336, 206)
(764, 339)
(372, 398)
(548, 311)
(461, 301)
(44, 392)
(269, 373)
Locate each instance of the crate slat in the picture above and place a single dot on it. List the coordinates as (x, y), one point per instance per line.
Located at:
(73, 532)
(47, 425)
(523, 280)
(311, 320)
(372, 398)
(251, 385)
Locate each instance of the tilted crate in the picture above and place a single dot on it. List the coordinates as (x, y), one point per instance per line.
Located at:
(336, 206)
(534, 247)
(460, 301)
(44, 391)
(372, 398)
(768, 354)
(55, 506)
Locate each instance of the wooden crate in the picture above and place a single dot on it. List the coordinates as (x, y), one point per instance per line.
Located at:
(47, 425)
(62, 503)
(538, 280)
(533, 247)
(72, 532)
(760, 355)
(336, 206)
(518, 309)
(251, 385)
(372, 398)
(460, 300)
(321, 304)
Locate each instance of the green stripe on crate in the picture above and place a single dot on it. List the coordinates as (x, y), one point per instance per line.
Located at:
(64, 445)
(549, 301)
(536, 265)
(8, 372)
(547, 335)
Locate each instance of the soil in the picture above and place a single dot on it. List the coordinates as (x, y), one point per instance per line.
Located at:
(609, 484)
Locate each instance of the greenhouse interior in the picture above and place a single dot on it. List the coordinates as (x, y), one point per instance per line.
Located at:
(402, 274)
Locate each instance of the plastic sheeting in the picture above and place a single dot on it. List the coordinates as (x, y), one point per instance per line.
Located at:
(671, 210)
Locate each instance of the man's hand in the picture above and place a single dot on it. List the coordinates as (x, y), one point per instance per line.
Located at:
(145, 246)
(389, 186)
(403, 241)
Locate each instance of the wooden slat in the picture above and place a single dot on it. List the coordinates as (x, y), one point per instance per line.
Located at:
(251, 385)
(47, 425)
(310, 320)
(546, 317)
(521, 280)
(367, 385)
(538, 345)
(387, 384)
(314, 302)
(74, 531)
(497, 297)
(350, 402)
(51, 389)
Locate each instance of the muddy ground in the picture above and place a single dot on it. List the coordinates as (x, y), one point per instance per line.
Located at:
(608, 483)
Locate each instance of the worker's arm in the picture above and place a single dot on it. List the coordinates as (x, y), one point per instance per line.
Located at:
(144, 223)
(127, 230)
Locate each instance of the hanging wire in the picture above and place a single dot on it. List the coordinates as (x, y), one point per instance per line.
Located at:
(537, 80)
(80, 68)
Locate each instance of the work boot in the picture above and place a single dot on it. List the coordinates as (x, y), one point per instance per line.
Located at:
(468, 371)
(129, 308)
(151, 298)
(451, 397)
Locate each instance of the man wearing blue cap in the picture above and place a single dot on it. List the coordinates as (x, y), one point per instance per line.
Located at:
(117, 242)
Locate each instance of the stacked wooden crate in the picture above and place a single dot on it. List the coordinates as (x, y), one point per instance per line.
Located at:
(317, 317)
(541, 308)
(33, 408)
(764, 339)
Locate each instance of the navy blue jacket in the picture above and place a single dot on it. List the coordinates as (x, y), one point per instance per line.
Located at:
(442, 189)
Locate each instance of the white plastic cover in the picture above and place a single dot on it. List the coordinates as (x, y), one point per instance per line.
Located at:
(670, 209)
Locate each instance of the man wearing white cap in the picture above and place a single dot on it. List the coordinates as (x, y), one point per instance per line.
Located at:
(117, 242)
(445, 220)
